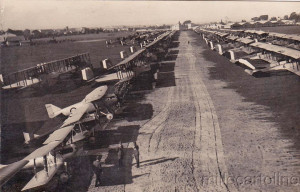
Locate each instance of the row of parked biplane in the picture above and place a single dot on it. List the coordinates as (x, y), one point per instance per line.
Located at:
(261, 53)
(47, 72)
(66, 142)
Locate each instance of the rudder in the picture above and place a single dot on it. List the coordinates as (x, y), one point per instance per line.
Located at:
(52, 110)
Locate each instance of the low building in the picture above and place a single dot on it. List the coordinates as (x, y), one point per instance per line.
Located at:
(176, 27)
(15, 41)
(288, 22)
(2, 40)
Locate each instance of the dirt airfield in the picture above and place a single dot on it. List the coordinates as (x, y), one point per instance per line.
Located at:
(199, 131)
(204, 136)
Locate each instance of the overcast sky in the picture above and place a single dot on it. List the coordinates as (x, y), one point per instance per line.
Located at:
(21, 14)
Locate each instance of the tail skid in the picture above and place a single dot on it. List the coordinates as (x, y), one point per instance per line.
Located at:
(52, 110)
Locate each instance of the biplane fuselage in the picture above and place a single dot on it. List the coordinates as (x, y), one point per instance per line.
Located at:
(86, 104)
(68, 110)
(63, 154)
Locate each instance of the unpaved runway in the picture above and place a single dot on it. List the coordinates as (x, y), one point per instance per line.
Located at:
(182, 143)
(181, 146)
(185, 133)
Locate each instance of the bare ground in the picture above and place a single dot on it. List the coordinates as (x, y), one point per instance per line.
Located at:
(195, 134)
(206, 137)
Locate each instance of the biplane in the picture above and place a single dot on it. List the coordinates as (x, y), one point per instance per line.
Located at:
(77, 114)
(51, 159)
(60, 146)
(45, 161)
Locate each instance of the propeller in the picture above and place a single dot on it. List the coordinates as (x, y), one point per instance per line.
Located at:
(98, 113)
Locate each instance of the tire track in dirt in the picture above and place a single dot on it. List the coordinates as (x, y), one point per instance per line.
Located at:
(147, 143)
(167, 120)
(206, 115)
(187, 128)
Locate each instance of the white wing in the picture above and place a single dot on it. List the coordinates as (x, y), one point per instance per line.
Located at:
(8, 171)
(76, 115)
(42, 151)
(59, 135)
(96, 94)
(42, 177)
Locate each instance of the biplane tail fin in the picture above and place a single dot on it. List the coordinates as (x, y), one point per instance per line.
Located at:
(52, 110)
(28, 137)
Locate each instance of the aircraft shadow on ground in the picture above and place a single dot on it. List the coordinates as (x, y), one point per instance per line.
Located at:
(273, 73)
(171, 57)
(116, 174)
(137, 112)
(156, 161)
(113, 173)
(166, 75)
(122, 134)
(167, 67)
(174, 44)
(174, 52)
(143, 82)
(82, 175)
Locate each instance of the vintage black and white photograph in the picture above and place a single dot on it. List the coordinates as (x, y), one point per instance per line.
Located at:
(149, 96)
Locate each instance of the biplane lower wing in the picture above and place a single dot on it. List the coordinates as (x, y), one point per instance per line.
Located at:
(8, 171)
(43, 177)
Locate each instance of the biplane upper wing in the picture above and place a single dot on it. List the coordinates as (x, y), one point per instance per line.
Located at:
(59, 135)
(96, 94)
(76, 115)
(42, 151)
(43, 177)
(8, 171)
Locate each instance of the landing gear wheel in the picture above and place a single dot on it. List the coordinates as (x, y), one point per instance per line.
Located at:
(92, 140)
(97, 116)
(64, 177)
(109, 116)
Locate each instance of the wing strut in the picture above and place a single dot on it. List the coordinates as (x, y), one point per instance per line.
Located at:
(45, 164)
(34, 167)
